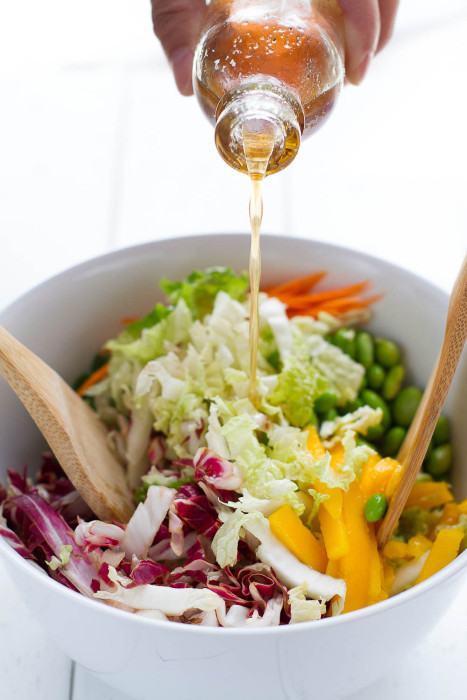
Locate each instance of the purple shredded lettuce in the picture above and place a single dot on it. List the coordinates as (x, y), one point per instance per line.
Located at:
(38, 520)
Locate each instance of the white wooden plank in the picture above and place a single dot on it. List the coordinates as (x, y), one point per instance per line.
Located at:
(31, 666)
(87, 687)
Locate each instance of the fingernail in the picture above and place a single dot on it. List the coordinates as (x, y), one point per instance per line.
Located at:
(182, 65)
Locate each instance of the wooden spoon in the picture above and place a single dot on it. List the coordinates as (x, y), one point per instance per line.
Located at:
(415, 445)
(71, 428)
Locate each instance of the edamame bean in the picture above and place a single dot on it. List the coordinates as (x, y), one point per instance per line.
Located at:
(405, 405)
(393, 382)
(440, 460)
(351, 406)
(345, 339)
(375, 432)
(441, 433)
(365, 349)
(326, 401)
(375, 507)
(331, 414)
(387, 353)
(372, 399)
(375, 376)
(393, 441)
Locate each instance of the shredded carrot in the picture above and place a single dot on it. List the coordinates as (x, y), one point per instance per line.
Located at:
(298, 286)
(299, 301)
(95, 377)
(307, 300)
(128, 321)
(337, 307)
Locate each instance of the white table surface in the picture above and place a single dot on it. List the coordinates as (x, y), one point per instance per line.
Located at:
(88, 116)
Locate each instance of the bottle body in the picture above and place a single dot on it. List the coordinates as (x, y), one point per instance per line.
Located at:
(281, 58)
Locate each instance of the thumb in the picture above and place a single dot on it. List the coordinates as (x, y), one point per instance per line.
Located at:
(177, 24)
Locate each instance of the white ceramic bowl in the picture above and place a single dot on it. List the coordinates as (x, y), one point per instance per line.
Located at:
(64, 321)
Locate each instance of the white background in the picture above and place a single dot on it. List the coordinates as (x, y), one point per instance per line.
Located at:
(98, 151)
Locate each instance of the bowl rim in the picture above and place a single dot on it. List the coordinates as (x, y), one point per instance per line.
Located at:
(93, 264)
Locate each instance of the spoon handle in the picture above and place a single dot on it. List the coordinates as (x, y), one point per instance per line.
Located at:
(415, 445)
(74, 433)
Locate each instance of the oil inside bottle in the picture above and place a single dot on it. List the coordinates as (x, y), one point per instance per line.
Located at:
(259, 137)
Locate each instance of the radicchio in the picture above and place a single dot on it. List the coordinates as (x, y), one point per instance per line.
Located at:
(216, 471)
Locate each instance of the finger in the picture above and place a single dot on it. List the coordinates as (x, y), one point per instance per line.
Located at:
(362, 30)
(177, 25)
(387, 11)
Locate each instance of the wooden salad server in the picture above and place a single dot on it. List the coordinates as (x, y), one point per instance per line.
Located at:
(72, 429)
(415, 445)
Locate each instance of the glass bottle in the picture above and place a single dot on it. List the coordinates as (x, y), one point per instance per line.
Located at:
(268, 72)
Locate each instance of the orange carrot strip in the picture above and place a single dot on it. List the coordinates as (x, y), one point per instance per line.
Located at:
(307, 300)
(298, 286)
(95, 377)
(127, 321)
(335, 306)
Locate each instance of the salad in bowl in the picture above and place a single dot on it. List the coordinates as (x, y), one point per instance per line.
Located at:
(252, 511)
(142, 648)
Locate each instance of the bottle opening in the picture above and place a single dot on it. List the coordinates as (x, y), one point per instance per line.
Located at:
(258, 123)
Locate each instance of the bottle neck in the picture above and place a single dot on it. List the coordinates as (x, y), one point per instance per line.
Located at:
(258, 121)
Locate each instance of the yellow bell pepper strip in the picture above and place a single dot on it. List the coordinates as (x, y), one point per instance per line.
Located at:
(429, 494)
(337, 454)
(414, 548)
(389, 576)
(450, 515)
(444, 551)
(463, 506)
(376, 475)
(375, 587)
(334, 533)
(330, 511)
(397, 550)
(314, 444)
(418, 545)
(394, 481)
(289, 529)
(333, 504)
(333, 568)
(355, 566)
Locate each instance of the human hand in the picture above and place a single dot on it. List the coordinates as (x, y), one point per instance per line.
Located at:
(368, 27)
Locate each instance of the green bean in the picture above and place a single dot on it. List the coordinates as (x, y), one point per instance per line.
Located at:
(441, 434)
(393, 382)
(326, 401)
(365, 349)
(393, 441)
(405, 405)
(387, 353)
(375, 376)
(375, 507)
(440, 460)
(345, 339)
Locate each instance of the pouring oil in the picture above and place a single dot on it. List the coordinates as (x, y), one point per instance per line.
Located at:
(259, 137)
